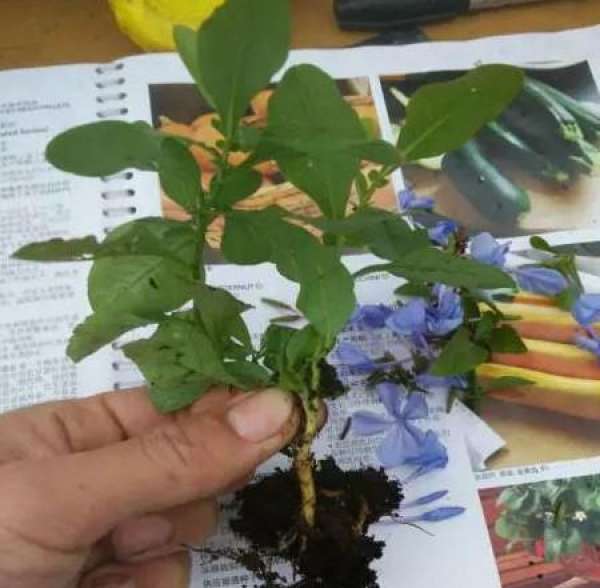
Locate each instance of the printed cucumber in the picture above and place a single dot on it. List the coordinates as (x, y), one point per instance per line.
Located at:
(498, 137)
(487, 189)
(550, 129)
(588, 120)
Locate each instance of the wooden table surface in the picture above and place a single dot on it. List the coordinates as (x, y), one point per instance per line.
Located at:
(46, 32)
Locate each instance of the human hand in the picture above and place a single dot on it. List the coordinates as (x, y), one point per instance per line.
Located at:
(102, 492)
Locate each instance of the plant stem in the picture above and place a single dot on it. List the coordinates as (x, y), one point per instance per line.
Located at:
(202, 222)
(303, 462)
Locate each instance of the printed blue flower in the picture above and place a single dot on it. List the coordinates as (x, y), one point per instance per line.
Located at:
(485, 249)
(405, 443)
(371, 316)
(441, 231)
(409, 200)
(587, 309)
(446, 313)
(590, 342)
(540, 280)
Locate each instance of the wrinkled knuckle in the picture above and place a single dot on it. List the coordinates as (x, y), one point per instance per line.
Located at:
(171, 449)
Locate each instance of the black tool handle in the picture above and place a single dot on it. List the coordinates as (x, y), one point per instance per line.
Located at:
(388, 14)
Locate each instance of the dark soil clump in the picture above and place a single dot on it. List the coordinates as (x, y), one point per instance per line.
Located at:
(336, 553)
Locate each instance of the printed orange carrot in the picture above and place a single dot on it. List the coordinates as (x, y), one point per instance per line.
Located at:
(553, 358)
(530, 298)
(546, 323)
(573, 396)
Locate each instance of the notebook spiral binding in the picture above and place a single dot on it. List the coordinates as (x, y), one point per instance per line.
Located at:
(110, 83)
(111, 80)
(118, 197)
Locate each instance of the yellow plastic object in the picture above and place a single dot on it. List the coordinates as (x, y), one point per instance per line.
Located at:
(149, 23)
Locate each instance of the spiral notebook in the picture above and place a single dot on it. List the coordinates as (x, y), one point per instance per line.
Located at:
(40, 303)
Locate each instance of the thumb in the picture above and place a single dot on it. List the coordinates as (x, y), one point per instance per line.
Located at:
(81, 497)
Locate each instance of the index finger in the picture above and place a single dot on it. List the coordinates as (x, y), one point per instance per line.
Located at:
(72, 426)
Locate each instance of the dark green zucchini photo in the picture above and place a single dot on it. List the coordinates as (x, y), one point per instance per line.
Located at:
(497, 138)
(588, 120)
(493, 194)
(551, 129)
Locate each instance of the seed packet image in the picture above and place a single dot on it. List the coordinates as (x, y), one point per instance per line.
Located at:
(532, 170)
(179, 110)
(546, 533)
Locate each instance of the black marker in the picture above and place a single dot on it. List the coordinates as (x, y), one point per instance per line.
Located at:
(389, 14)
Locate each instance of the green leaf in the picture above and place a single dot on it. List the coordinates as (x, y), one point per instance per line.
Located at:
(278, 304)
(179, 362)
(151, 269)
(326, 177)
(378, 151)
(237, 51)
(540, 243)
(506, 382)
(138, 285)
(315, 136)
(247, 138)
(186, 43)
(152, 236)
(433, 265)
(504, 339)
(307, 114)
(248, 374)
(105, 148)
(326, 296)
(220, 314)
(393, 238)
(485, 327)
(99, 329)
(506, 528)
(59, 250)
(459, 356)
(302, 346)
(567, 298)
(238, 183)
(245, 239)
(179, 174)
(386, 234)
(273, 346)
(560, 541)
(441, 117)
(412, 289)
(146, 236)
(291, 354)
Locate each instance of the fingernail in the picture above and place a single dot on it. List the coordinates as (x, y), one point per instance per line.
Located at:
(261, 415)
(139, 538)
(112, 581)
